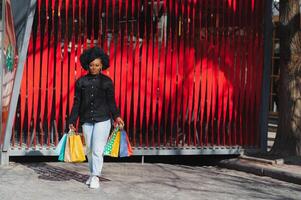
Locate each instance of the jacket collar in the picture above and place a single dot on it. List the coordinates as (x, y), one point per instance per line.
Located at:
(91, 76)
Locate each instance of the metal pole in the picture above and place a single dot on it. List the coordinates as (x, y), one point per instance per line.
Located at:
(3, 156)
(18, 78)
(264, 110)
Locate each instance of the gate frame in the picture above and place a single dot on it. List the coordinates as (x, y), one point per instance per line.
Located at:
(146, 151)
(4, 157)
(22, 52)
(264, 109)
(6, 151)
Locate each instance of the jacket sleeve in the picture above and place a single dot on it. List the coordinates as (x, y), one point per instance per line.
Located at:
(76, 104)
(110, 95)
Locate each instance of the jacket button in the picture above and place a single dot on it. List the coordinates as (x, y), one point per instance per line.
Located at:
(92, 95)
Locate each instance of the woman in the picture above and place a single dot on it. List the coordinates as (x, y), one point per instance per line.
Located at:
(94, 104)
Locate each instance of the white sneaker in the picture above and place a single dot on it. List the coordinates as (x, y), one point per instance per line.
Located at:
(94, 184)
(89, 180)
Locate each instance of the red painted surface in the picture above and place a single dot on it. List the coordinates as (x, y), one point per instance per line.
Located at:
(186, 73)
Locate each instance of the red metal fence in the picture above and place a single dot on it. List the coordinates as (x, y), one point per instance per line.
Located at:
(186, 73)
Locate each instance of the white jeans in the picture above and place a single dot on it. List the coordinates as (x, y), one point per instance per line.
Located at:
(96, 136)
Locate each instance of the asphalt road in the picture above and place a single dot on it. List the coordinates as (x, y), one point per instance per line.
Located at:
(55, 180)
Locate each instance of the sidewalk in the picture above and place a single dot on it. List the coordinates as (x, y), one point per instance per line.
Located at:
(285, 169)
(58, 180)
(135, 181)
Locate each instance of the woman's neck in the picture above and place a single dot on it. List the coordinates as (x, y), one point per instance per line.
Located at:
(93, 74)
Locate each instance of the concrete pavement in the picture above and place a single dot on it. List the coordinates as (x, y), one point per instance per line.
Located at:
(286, 169)
(56, 180)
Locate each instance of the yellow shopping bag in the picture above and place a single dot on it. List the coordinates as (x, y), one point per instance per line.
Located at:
(74, 149)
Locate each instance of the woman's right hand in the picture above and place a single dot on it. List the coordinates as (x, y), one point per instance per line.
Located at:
(119, 122)
(72, 128)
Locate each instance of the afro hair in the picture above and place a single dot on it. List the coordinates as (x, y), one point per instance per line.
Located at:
(91, 54)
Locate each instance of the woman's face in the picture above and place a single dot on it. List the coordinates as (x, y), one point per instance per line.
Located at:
(95, 66)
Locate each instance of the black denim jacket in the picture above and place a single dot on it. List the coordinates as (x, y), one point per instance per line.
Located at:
(94, 100)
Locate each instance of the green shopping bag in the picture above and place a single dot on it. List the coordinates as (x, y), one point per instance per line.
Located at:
(60, 149)
(109, 146)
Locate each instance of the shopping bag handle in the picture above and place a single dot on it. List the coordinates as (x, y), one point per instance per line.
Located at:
(120, 127)
(73, 132)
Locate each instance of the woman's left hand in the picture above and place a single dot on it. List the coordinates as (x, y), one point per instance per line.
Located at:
(119, 122)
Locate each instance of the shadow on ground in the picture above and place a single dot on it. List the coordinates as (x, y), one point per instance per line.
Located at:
(190, 160)
(54, 173)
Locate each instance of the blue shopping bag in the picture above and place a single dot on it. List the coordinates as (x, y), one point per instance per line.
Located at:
(123, 149)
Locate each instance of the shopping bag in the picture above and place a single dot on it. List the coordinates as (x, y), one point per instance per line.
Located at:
(110, 142)
(125, 149)
(67, 157)
(130, 150)
(118, 144)
(60, 148)
(77, 153)
(74, 150)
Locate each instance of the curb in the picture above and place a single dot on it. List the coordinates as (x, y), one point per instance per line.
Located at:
(236, 164)
(262, 160)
